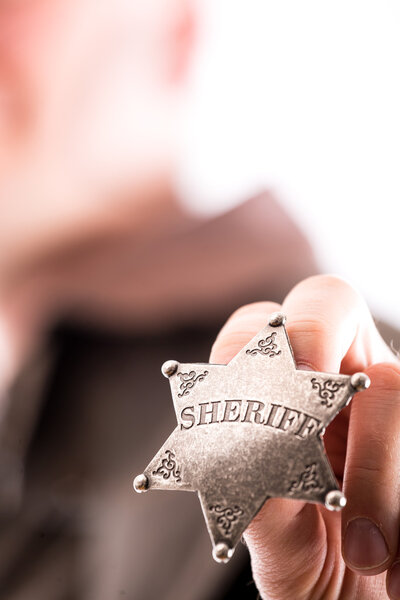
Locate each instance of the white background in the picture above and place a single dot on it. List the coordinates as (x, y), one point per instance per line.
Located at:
(304, 98)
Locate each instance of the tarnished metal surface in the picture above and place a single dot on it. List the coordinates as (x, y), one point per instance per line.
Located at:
(249, 431)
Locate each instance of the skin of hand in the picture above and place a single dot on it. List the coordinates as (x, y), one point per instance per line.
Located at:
(300, 550)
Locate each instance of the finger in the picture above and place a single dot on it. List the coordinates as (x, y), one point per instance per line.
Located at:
(241, 326)
(331, 329)
(370, 520)
(328, 323)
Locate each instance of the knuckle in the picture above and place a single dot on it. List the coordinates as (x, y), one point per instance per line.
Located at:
(364, 473)
(330, 283)
(308, 337)
(311, 327)
(371, 459)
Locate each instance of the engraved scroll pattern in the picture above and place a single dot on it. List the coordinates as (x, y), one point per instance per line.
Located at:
(189, 380)
(169, 467)
(226, 517)
(267, 347)
(307, 481)
(327, 390)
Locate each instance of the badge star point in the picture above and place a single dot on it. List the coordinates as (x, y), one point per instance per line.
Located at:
(169, 368)
(248, 431)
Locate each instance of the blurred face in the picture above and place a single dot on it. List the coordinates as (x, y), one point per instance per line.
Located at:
(89, 94)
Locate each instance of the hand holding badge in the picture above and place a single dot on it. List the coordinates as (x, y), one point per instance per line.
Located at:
(249, 431)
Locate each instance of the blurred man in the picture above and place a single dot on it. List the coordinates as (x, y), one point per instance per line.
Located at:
(91, 230)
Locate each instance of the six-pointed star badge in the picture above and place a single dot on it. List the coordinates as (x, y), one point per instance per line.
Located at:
(248, 431)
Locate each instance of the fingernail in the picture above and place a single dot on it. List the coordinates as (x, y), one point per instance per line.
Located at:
(393, 583)
(304, 367)
(364, 545)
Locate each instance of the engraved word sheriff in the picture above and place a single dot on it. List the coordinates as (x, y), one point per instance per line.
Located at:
(248, 431)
